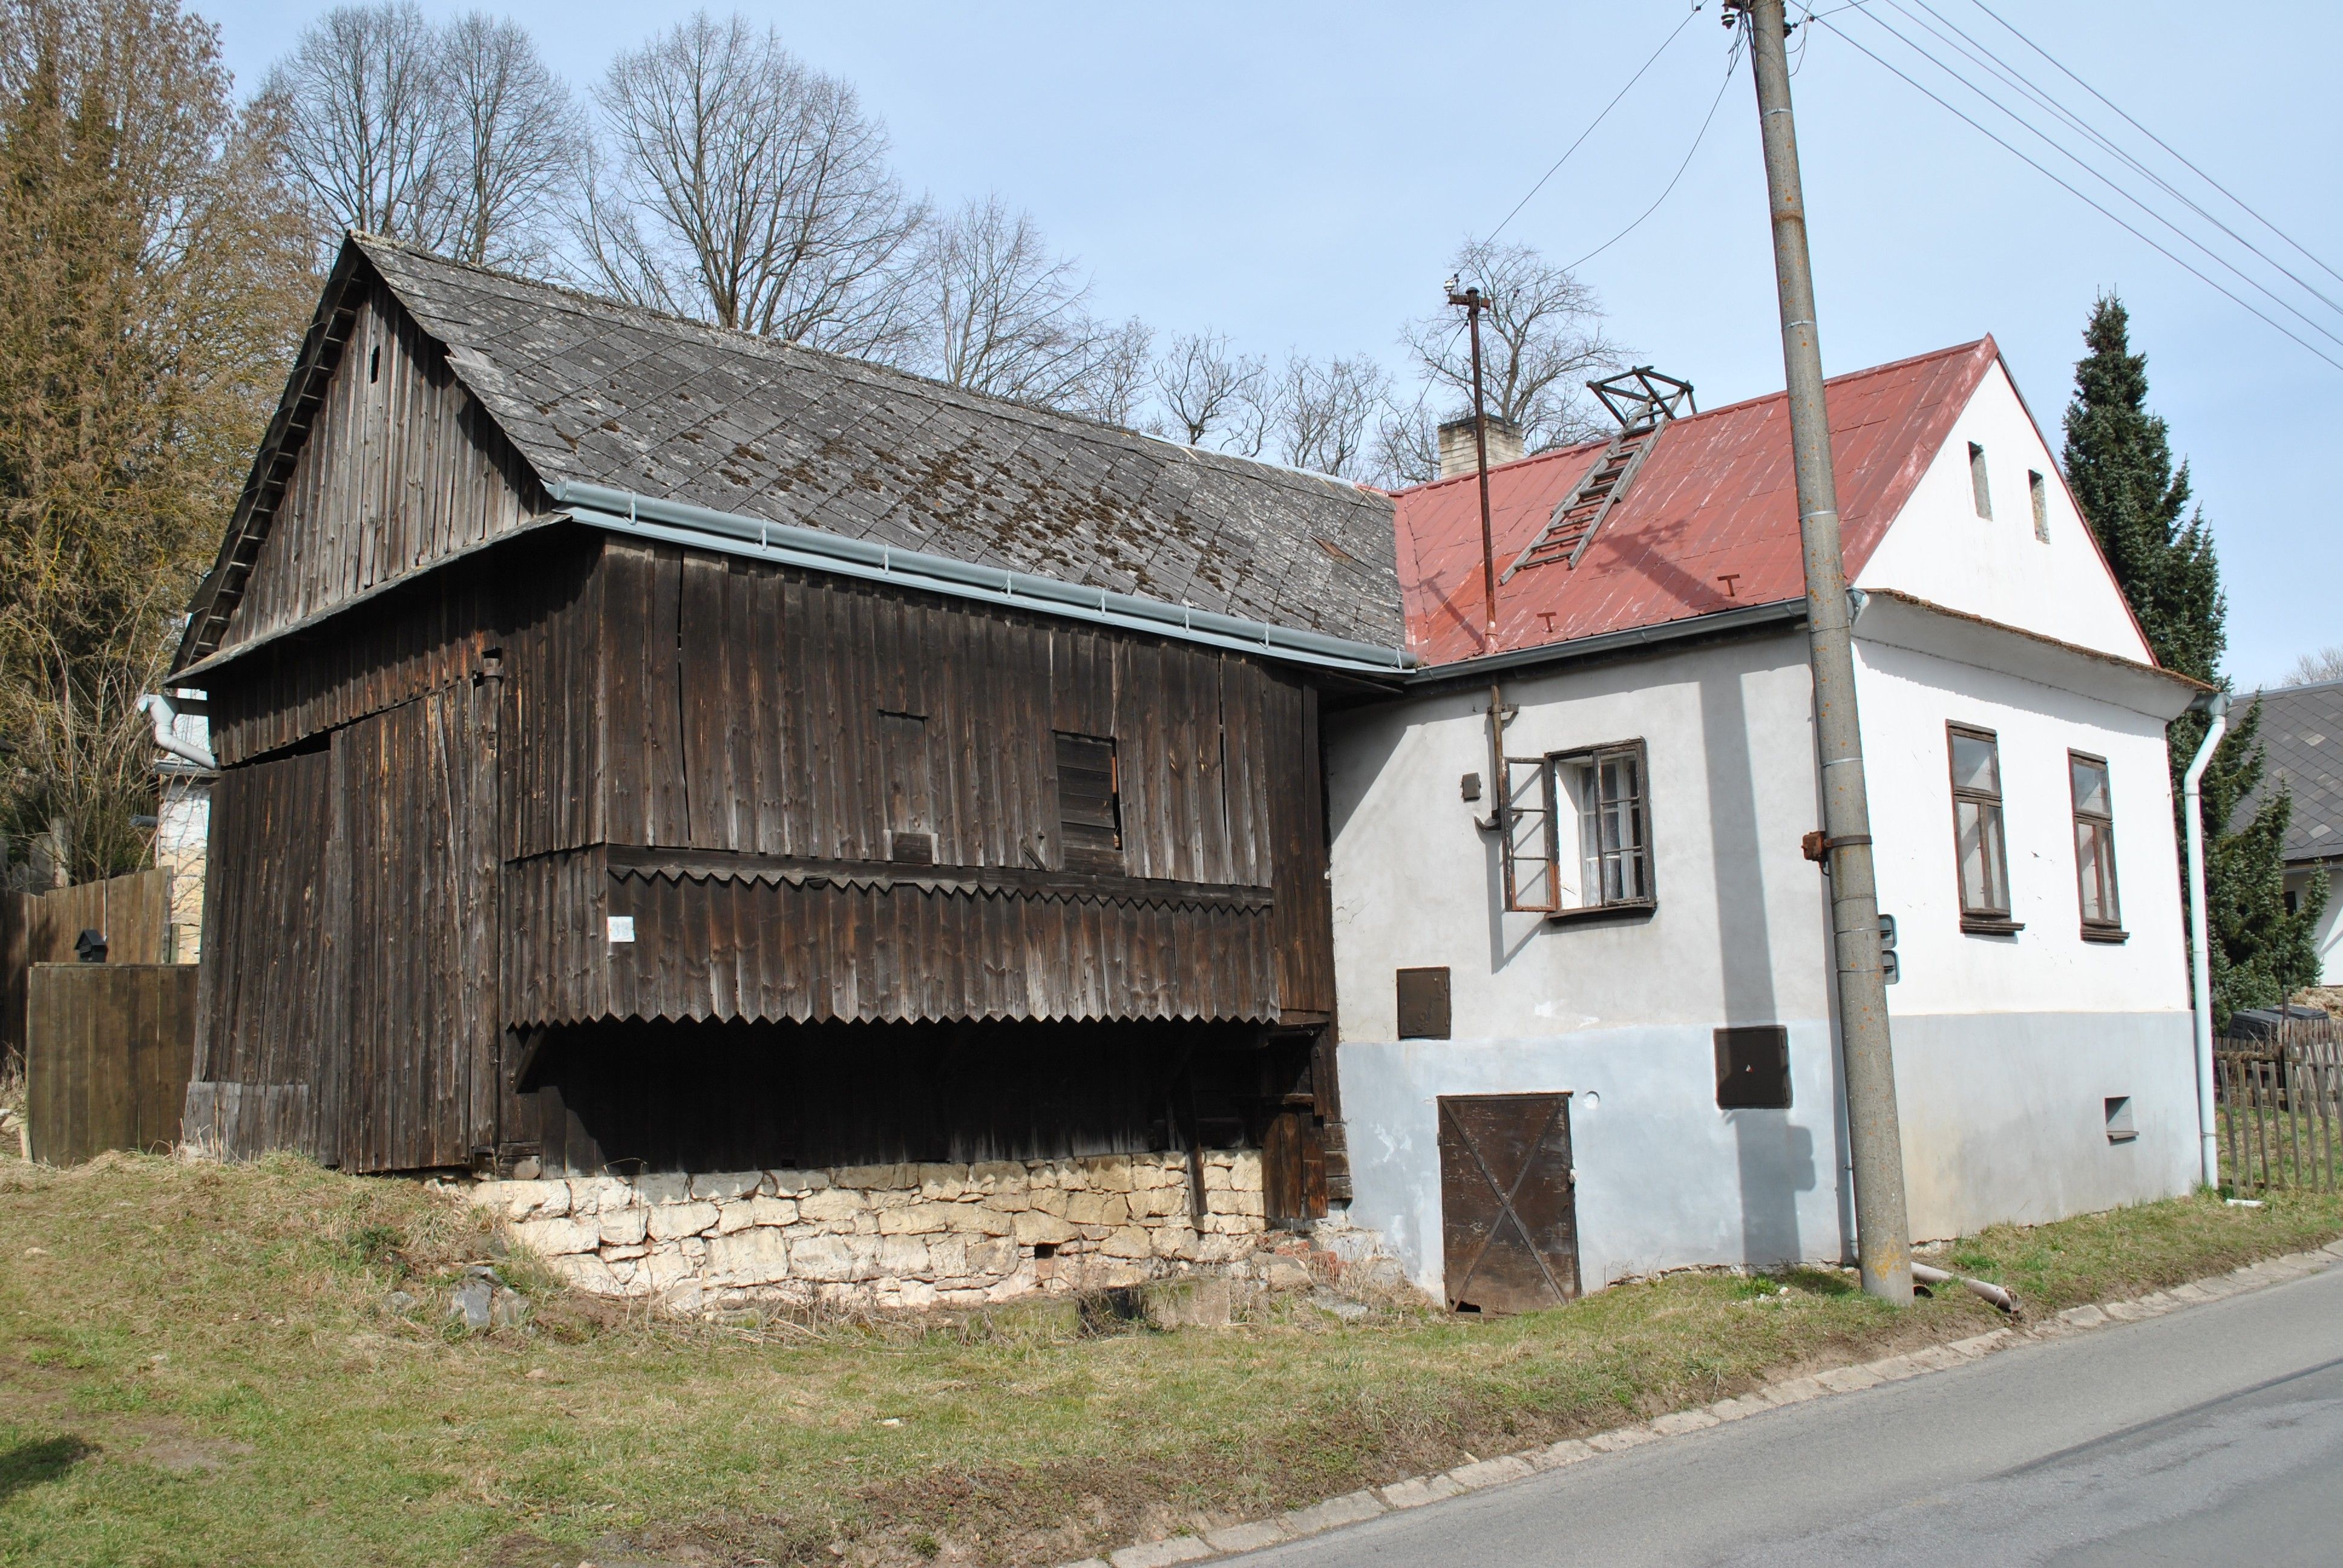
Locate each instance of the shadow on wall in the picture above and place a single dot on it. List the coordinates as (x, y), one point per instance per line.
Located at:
(1774, 1160)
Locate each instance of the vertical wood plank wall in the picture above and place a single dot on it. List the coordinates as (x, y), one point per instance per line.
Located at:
(133, 910)
(109, 1048)
(400, 470)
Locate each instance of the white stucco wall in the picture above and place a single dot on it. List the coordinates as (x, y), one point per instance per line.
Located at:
(1940, 550)
(1617, 1011)
(2007, 1047)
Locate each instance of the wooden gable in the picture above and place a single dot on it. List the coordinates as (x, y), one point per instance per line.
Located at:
(383, 465)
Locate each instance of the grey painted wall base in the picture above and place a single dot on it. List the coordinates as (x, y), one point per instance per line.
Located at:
(2003, 1119)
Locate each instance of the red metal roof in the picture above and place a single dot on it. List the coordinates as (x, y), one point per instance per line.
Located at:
(1715, 498)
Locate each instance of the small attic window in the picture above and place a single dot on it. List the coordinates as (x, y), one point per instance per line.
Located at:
(1977, 485)
(2040, 489)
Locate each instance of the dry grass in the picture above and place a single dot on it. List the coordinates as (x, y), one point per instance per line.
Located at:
(196, 1365)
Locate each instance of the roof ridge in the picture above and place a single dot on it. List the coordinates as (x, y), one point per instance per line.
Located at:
(780, 347)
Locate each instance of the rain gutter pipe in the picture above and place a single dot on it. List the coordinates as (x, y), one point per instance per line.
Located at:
(679, 522)
(161, 709)
(2192, 810)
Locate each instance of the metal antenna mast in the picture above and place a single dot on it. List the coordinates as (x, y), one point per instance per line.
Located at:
(1474, 302)
(1884, 1241)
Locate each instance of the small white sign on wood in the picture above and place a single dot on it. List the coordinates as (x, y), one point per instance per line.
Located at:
(622, 929)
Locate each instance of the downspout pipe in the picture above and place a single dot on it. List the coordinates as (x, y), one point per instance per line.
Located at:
(161, 709)
(2192, 808)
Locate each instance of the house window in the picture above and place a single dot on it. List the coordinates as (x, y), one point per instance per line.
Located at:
(1577, 831)
(1090, 808)
(1983, 856)
(2039, 488)
(2095, 849)
(1978, 488)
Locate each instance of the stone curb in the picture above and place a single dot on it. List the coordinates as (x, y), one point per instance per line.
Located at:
(1416, 1491)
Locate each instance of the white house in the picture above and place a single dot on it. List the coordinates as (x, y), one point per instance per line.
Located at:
(1591, 1035)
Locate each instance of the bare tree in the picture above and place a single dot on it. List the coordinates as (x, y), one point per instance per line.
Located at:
(1207, 390)
(1407, 446)
(513, 143)
(747, 189)
(998, 312)
(363, 130)
(2327, 664)
(1541, 339)
(1116, 382)
(1324, 412)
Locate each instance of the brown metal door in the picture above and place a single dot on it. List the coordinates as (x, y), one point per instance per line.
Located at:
(1509, 1212)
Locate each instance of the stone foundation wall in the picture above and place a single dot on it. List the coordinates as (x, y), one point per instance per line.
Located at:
(895, 1235)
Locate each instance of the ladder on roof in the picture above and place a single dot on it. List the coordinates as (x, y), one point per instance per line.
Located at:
(1642, 401)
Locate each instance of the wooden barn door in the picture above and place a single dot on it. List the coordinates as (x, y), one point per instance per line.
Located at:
(1509, 1212)
(417, 803)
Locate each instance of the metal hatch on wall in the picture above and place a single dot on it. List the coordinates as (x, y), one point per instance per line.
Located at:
(1508, 1203)
(1642, 401)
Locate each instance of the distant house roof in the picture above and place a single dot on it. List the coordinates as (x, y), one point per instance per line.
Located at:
(2302, 727)
(588, 390)
(1715, 497)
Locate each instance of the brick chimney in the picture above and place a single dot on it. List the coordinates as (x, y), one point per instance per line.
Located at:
(1456, 456)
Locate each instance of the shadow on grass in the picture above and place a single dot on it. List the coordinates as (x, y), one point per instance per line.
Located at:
(1817, 1282)
(28, 1464)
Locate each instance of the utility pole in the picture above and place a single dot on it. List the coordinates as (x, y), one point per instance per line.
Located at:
(1883, 1239)
(1473, 302)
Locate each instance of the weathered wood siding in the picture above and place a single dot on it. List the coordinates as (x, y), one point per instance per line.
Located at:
(398, 468)
(110, 1046)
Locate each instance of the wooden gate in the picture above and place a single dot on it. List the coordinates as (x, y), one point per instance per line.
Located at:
(108, 1048)
(1509, 1212)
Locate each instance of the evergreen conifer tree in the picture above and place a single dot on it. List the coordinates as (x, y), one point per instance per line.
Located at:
(2118, 463)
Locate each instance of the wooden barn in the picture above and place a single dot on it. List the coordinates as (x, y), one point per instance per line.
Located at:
(651, 748)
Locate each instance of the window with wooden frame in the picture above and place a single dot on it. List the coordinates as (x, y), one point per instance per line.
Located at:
(2039, 488)
(1979, 846)
(2095, 849)
(1576, 831)
(1089, 806)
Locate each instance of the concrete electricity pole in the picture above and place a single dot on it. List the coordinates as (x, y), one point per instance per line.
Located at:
(1883, 1235)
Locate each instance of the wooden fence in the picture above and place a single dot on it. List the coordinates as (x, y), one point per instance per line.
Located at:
(2281, 1100)
(109, 1050)
(134, 912)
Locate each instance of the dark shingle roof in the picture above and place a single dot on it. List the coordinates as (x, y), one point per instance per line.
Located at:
(593, 391)
(2302, 727)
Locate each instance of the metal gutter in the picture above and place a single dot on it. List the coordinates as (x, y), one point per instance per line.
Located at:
(1783, 612)
(701, 528)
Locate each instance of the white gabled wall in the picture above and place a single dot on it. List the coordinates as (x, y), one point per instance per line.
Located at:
(1939, 549)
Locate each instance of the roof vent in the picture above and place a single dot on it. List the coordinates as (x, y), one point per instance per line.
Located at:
(1642, 401)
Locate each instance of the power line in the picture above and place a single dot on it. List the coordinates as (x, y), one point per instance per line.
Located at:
(2003, 73)
(1598, 119)
(1731, 62)
(2241, 302)
(2160, 142)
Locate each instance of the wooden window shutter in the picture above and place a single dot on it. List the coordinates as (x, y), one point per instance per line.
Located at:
(1089, 810)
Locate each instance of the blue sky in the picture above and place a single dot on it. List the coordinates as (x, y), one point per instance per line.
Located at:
(1298, 175)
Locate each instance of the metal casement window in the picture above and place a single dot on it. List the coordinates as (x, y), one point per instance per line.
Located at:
(1594, 801)
(2095, 849)
(1980, 852)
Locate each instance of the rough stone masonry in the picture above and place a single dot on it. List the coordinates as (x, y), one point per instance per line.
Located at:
(896, 1235)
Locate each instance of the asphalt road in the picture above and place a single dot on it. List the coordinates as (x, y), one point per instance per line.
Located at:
(2209, 1435)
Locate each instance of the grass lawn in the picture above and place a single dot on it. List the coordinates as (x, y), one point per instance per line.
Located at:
(196, 1365)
